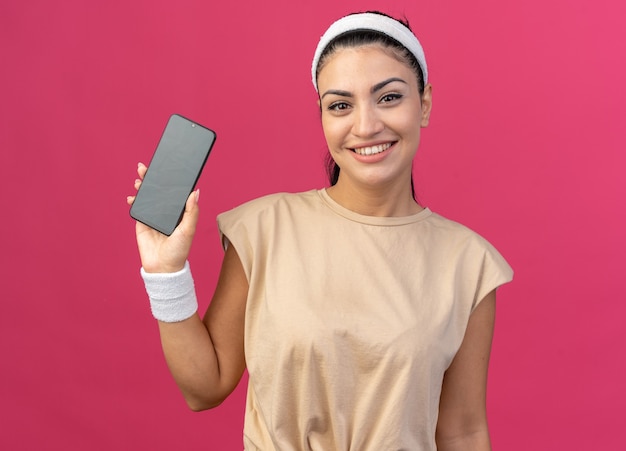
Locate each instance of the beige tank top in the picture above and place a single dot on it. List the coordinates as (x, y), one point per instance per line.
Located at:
(352, 320)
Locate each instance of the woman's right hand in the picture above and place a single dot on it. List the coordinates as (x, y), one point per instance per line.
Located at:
(161, 253)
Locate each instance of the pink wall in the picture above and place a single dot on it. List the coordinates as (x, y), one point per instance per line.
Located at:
(526, 146)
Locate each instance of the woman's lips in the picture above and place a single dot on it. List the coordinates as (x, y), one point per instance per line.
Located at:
(372, 150)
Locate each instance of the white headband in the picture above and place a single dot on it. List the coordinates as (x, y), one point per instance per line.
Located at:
(374, 22)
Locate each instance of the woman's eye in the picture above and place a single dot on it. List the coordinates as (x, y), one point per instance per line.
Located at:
(338, 106)
(390, 97)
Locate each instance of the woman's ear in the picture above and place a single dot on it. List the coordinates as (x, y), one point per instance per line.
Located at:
(427, 104)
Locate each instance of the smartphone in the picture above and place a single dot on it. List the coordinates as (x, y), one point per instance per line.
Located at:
(172, 174)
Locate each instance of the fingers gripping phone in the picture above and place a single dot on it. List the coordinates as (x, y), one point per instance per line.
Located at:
(172, 174)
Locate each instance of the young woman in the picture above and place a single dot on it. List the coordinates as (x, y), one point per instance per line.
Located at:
(364, 319)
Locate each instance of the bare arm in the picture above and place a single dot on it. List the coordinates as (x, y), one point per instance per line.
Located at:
(206, 357)
(462, 421)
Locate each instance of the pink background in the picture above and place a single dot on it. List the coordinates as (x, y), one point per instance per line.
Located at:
(526, 146)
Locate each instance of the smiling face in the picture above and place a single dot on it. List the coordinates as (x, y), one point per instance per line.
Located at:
(372, 113)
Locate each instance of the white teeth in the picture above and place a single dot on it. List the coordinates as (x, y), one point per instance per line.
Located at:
(373, 150)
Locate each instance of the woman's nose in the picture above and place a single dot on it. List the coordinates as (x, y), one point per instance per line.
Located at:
(366, 122)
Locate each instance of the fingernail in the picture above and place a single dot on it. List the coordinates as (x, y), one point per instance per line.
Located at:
(197, 195)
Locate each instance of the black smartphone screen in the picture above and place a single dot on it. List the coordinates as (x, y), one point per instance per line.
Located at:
(172, 174)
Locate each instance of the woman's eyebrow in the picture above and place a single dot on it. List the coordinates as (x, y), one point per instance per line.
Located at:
(337, 92)
(377, 87)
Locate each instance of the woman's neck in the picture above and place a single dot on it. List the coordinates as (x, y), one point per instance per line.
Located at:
(371, 201)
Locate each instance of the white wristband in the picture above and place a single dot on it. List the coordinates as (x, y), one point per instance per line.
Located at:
(172, 295)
